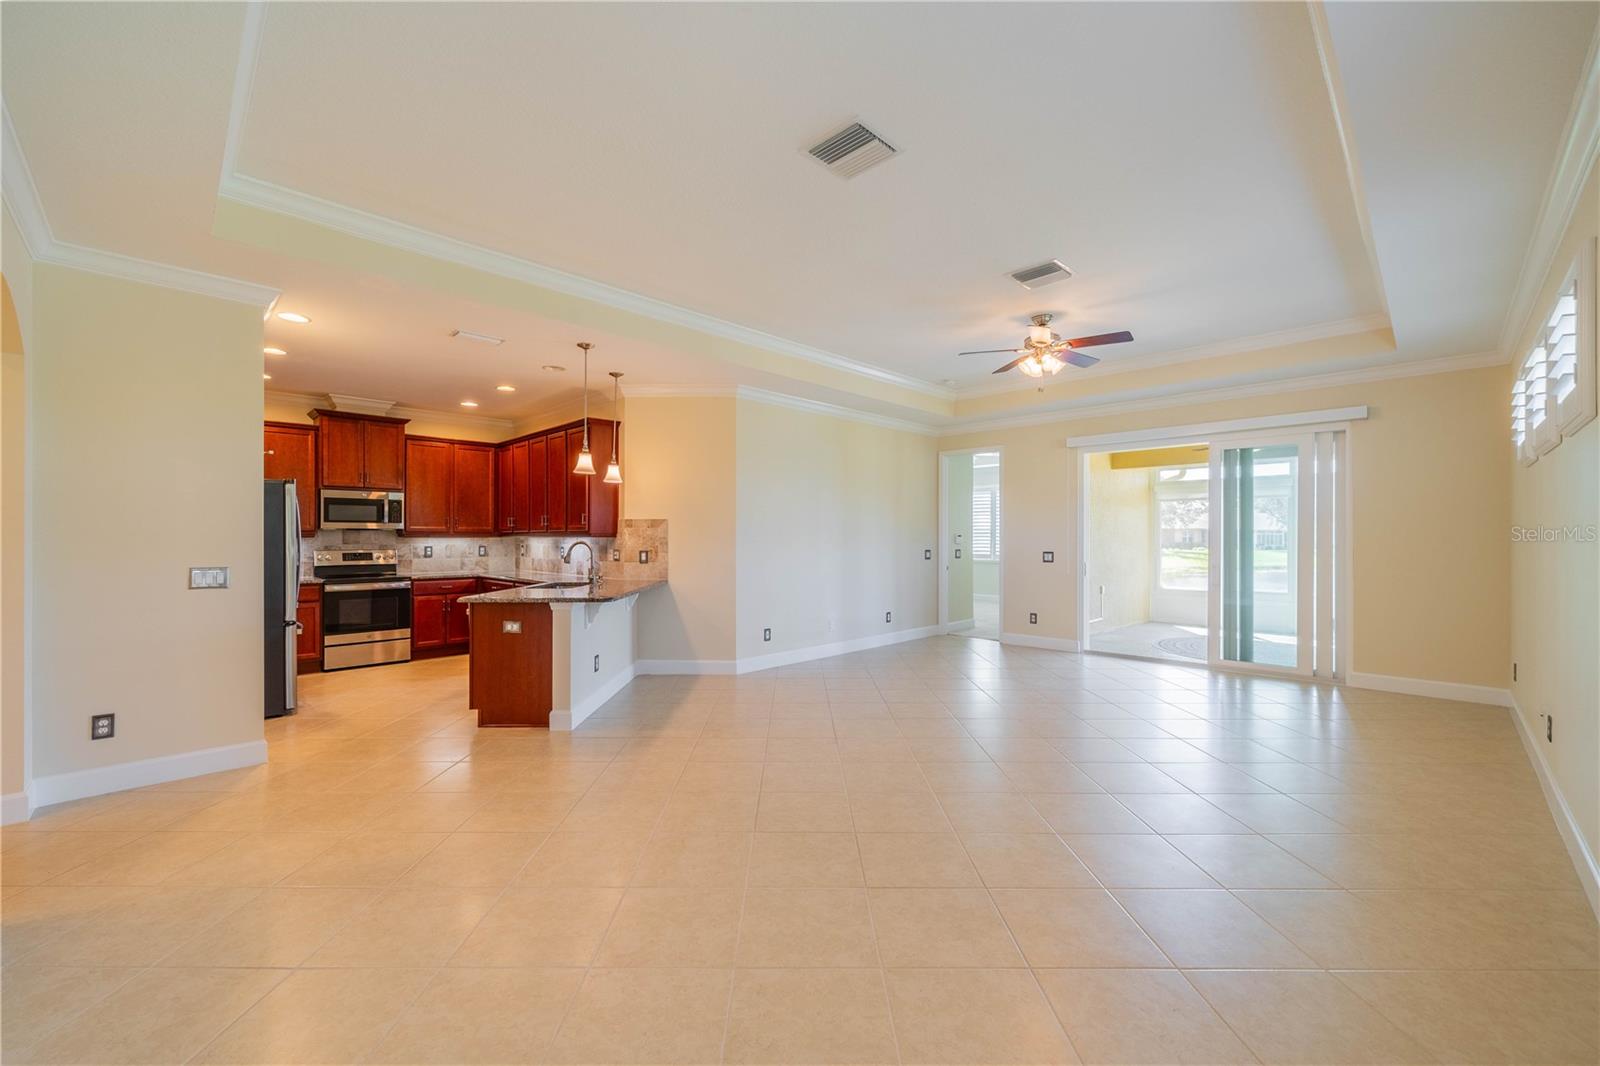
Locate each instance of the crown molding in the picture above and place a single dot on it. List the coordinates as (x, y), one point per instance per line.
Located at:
(1580, 145)
(1182, 395)
(253, 192)
(313, 400)
(22, 196)
(1320, 331)
(779, 399)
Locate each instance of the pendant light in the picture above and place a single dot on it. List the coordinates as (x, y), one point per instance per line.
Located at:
(585, 460)
(614, 471)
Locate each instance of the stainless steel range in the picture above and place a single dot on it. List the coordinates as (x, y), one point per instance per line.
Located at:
(366, 608)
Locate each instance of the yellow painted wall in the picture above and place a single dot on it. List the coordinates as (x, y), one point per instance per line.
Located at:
(1555, 597)
(833, 518)
(1119, 544)
(1429, 479)
(145, 428)
(678, 464)
(16, 288)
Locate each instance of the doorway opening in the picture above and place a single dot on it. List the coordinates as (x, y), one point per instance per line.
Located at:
(970, 543)
(1227, 552)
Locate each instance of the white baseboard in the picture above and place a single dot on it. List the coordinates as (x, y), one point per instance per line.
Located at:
(563, 721)
(1022, 640)
(1439, 690)
(842, 647)
(14, 807)
(684, 666)
(80, 784)
(1583, 859)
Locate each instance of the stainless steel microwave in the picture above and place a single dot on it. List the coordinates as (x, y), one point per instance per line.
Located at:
(354, 509)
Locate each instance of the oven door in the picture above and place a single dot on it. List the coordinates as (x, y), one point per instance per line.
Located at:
(347, 509)
(363, 612)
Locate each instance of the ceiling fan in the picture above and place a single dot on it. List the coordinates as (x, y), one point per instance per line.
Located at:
(1044, 352)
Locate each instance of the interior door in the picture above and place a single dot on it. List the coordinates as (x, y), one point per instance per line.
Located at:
(1262, 565)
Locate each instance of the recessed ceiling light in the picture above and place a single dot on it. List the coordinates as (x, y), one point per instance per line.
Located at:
(293, 316)
(552, 366)
(266, 377)
(481, 338)
(505, 388)
(274, 351)
(469, 403)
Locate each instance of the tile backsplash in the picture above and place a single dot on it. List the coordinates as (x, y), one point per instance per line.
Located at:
(508, 555)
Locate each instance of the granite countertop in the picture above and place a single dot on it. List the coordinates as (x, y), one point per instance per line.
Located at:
(610, 589)
(457, 575)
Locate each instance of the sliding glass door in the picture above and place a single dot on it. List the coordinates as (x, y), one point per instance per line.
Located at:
(1262, 587)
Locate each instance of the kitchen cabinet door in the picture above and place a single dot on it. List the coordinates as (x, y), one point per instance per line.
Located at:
(538, 485)
(428, 486)
(557, 468)
(603, 499)
(455, 620)
(505, 504)
(577, 485)
(308, 641)
(472, 489)
(427, 621)
(289, 452)
(384, 452)
(339, 453)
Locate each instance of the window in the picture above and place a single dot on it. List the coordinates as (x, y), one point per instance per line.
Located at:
(985, 523)
(1183, 510)
(1554, 393)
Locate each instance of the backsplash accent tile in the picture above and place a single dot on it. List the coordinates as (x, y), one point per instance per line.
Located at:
(507, 555)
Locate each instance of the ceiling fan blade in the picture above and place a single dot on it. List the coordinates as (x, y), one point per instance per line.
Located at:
(1011, 364)
(1100, 338)
(989, 351)
(1079, 358)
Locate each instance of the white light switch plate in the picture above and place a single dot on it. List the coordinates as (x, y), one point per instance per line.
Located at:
(208, 577)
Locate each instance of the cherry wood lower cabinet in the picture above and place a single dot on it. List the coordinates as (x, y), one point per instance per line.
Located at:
(308, 641)
(289, 453)
(439, 620)
(511, 683)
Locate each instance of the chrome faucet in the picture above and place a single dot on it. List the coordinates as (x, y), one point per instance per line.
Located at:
(594, 571)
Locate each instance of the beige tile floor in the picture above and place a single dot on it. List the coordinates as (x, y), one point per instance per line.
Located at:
(948, 851)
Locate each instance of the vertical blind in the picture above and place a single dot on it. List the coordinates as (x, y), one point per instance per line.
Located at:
(985, 523)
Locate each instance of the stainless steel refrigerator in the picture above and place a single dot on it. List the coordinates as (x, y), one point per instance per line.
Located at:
(281, 551)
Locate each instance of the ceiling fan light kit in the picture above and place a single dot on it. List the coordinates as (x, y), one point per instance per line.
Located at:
(1044, 352)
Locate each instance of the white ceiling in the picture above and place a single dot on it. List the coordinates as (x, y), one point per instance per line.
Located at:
(1184, 159)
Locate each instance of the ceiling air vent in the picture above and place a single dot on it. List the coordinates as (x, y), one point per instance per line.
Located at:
(1037, 277)
(852, 150)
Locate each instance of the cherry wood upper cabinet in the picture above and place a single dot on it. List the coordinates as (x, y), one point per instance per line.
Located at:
(384, 446)
(428, 488)
(538, 485)
(472, 489)
(289, 452)
(601, 500)
(557, 465)
(360, 451)
(339, 455)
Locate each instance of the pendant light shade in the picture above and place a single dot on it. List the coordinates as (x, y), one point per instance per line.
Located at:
(613, 470)
(585, 464)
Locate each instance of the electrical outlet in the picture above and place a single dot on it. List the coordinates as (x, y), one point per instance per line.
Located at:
(483, 549)
(102, 726)
(427, 551)
(644, 555)
(1033, 618)
(958, 553)
(597, 664)
(766, 636)
(1049, 557)
(888, 616)
(616, 555)
(1550, 728)
(927, 553)
(1513, 671)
